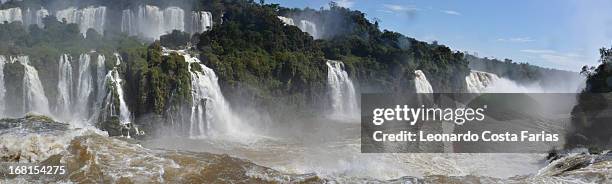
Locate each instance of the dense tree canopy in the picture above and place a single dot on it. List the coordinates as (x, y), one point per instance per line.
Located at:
(591, 121)
(257, 57)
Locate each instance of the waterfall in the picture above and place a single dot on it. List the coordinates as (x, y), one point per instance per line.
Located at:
(421, 83)
(101, 76)
(75, 100)
(64, 87)
(36, 17)
(342, 91)
(75, 97)
(116, 91)
(128, 22)
(201, 21)
(34, 99)
(174, 19)
(11, 15)
(2, 87)
(286, 21)
(87, 18)
(483, 82)
(310, 28)
(84, 86)
(152, 22)
(305, 26)
(210, 112)
(39, 15)
(478, 82)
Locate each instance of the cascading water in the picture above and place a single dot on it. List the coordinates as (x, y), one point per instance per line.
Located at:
(2, 87)
(152, 22)
(27, 17)
(342, 91)
(310, 28)
(128, 22)
(147, 21)
(210, 113)
(100, 77)
(305, 26)
(72, 100)
(421, 83)
(34, 98)
(77, 101)
(286, 20)
(84, 88)
(36, 17)
(101, 89)
(116, 84)
(64, 88)
(174, 19)
(201, 21)
(87, 18)
(478, 82)
(11, 15)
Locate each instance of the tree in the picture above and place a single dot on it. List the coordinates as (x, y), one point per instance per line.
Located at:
(175, 40)
(333, 4)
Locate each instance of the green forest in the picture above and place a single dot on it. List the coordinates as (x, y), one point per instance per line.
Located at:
(590, 117)
(257, 57)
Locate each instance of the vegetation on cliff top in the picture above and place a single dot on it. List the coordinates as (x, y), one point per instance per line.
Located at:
(519, 72)
(257, 57)
(591, 121)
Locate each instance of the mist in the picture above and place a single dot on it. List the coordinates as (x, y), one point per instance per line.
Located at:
(504, 85)
(328, 23)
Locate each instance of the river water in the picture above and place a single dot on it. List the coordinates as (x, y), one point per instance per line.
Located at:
(91, 156)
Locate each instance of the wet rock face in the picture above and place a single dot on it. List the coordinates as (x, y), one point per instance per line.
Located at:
(114, 127)
(591, 122)
(32, 123)
(31, 139)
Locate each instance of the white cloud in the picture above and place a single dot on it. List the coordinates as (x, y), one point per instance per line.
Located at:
(516, 40)
(568, 61)
(399, 8)
(574, 55)
(385, 11)
(538, 51)
(345, 3)
(451, 12)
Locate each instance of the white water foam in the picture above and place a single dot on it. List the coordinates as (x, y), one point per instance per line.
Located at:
(421, 83)
(64, 88)
(84, 88)
(201, 21)
(117, 85)
(36, 17)
(304, 25)
(11, 15)
(2, 87)
(310, 28)
(151, 21)
(286, 20)
(87, 18)
(342, 92)
(478, 82)
(210, 114)
(34, 98)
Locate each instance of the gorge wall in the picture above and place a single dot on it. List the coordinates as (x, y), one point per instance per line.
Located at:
(146, 21)
(254, 58)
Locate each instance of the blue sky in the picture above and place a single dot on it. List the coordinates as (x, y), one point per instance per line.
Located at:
(562, 34)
